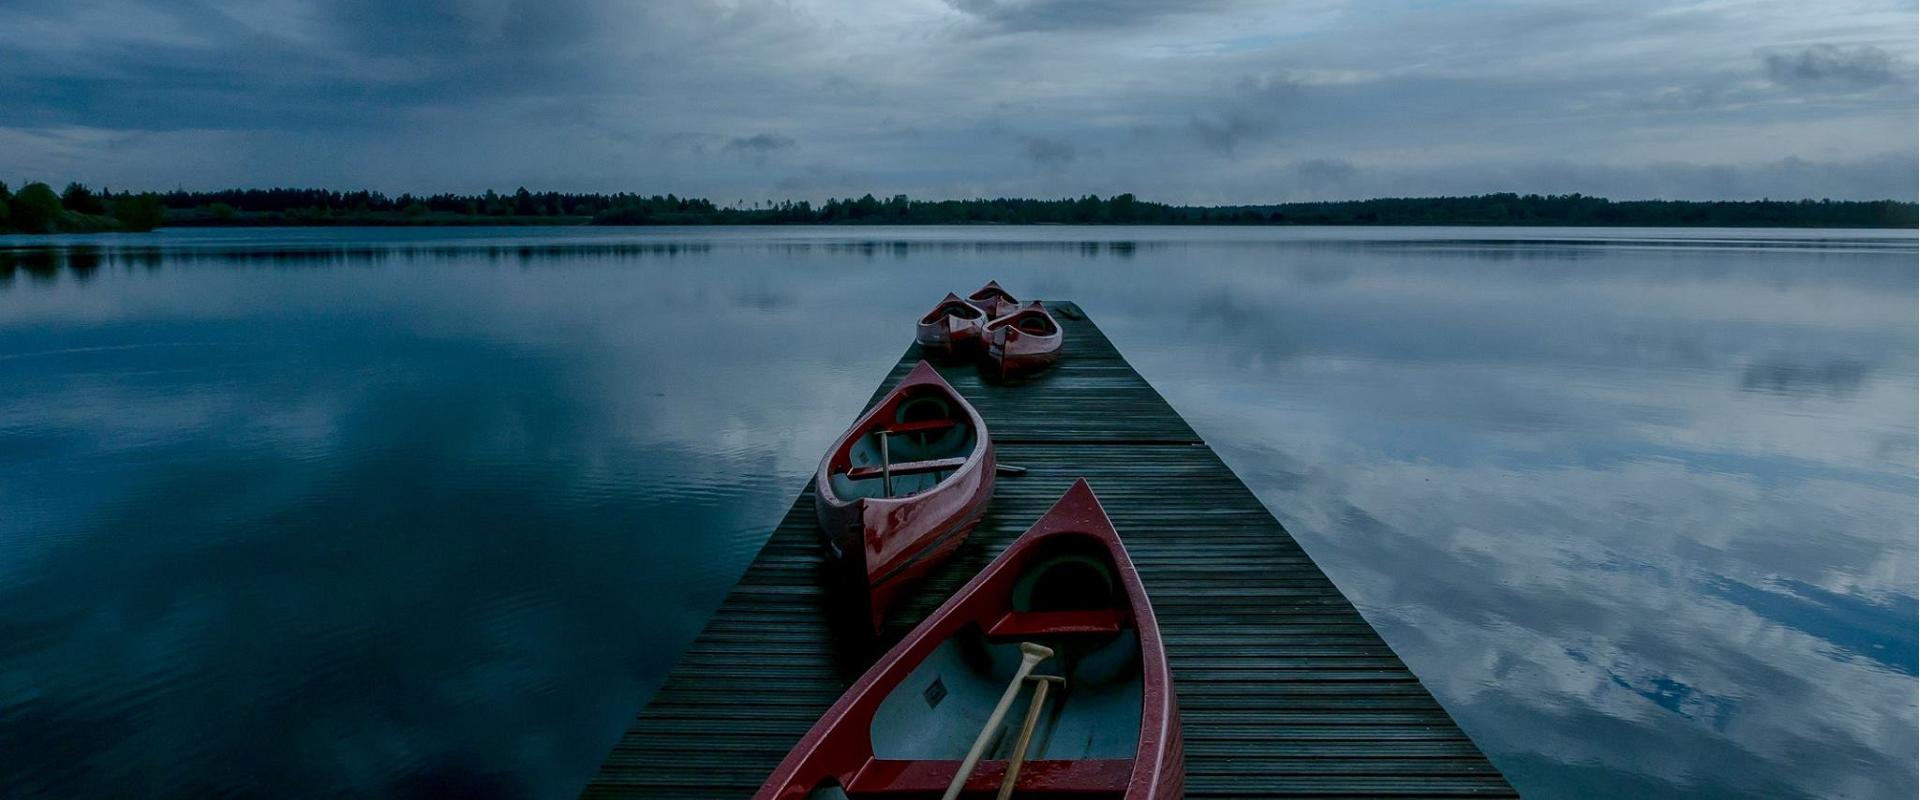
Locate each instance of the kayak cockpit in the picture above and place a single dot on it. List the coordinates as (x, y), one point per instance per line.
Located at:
(910, 449)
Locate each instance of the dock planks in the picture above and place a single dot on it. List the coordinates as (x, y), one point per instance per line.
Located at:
(1285, 691)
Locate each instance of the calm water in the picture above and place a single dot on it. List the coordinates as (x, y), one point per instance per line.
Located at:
(426, 512)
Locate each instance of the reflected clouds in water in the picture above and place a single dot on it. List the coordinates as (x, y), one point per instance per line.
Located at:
(420, 512)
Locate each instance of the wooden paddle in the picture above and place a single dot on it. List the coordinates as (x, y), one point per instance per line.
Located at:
(1030, 656)
(1019, 757)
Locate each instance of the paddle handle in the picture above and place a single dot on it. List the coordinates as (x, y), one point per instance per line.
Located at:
(1019, 756)
(1030, 656)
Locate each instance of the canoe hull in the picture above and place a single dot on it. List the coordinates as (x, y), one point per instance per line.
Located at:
(997, 306)
(878, 546)
(1007, 361)
(841, 750)
(994, 300)
(1013, 353)
(949, 339)
(952, 330)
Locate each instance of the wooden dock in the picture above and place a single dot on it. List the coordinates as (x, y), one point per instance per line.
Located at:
(1285, 691)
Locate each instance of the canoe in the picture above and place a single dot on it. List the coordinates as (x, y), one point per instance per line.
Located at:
(1110, 728)
(994, 300)
(951, 329)
(1021, 343)
(902, 488)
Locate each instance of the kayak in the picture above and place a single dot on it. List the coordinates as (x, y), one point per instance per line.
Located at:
(1021, 343)
(993, 300)
(951, 329)
(1061, 620)
(902, 488)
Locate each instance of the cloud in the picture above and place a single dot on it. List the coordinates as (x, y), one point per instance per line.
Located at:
(1051, 15)
(1880, 177)
(760, 144)
(1827, 65)
(1047, 152)
(1681, 98)
(1323, 175)
(1251, 109)
(1223, 133)
(1207, 102)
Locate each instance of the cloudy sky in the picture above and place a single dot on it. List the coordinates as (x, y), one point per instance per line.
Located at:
(1203, 101)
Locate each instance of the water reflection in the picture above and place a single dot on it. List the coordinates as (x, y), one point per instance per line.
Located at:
(430, 512)
(1838, 377)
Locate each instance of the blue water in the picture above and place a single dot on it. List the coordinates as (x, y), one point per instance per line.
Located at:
(418, 513)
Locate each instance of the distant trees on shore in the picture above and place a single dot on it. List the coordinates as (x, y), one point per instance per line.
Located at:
(78, 209)
(298, 206)
(35, 208)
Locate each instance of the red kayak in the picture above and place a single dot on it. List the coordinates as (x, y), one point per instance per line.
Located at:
(951, 329)
(903, 487)
(993, 300)
(1062, 610)
(1021, 343)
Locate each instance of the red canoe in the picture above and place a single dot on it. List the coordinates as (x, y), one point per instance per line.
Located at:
(1111, 729)
(903, 487)
(993, 300)
(951, 329)
(1021, 343)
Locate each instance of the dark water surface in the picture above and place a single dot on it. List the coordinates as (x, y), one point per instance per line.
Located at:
(385, 512)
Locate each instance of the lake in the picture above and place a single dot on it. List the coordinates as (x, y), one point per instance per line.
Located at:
(419, 512)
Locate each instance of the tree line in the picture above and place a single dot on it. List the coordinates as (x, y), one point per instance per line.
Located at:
(37, 209)
(78, 209)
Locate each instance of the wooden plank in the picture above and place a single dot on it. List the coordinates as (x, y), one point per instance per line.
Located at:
(1285, 690)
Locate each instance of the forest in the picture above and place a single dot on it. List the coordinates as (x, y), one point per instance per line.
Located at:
(36, 208)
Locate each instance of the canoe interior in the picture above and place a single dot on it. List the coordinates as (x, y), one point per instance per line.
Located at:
(952, 308)
(938, 709)
(920, 406)
(990, 293)
(1034, 322)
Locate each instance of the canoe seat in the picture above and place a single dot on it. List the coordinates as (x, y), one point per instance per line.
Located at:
(1084, 778)
(907, 468)
(1029, 624)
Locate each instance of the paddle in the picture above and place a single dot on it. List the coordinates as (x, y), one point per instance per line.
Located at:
(1019, 757)
(886, 465)
(1030, 656)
